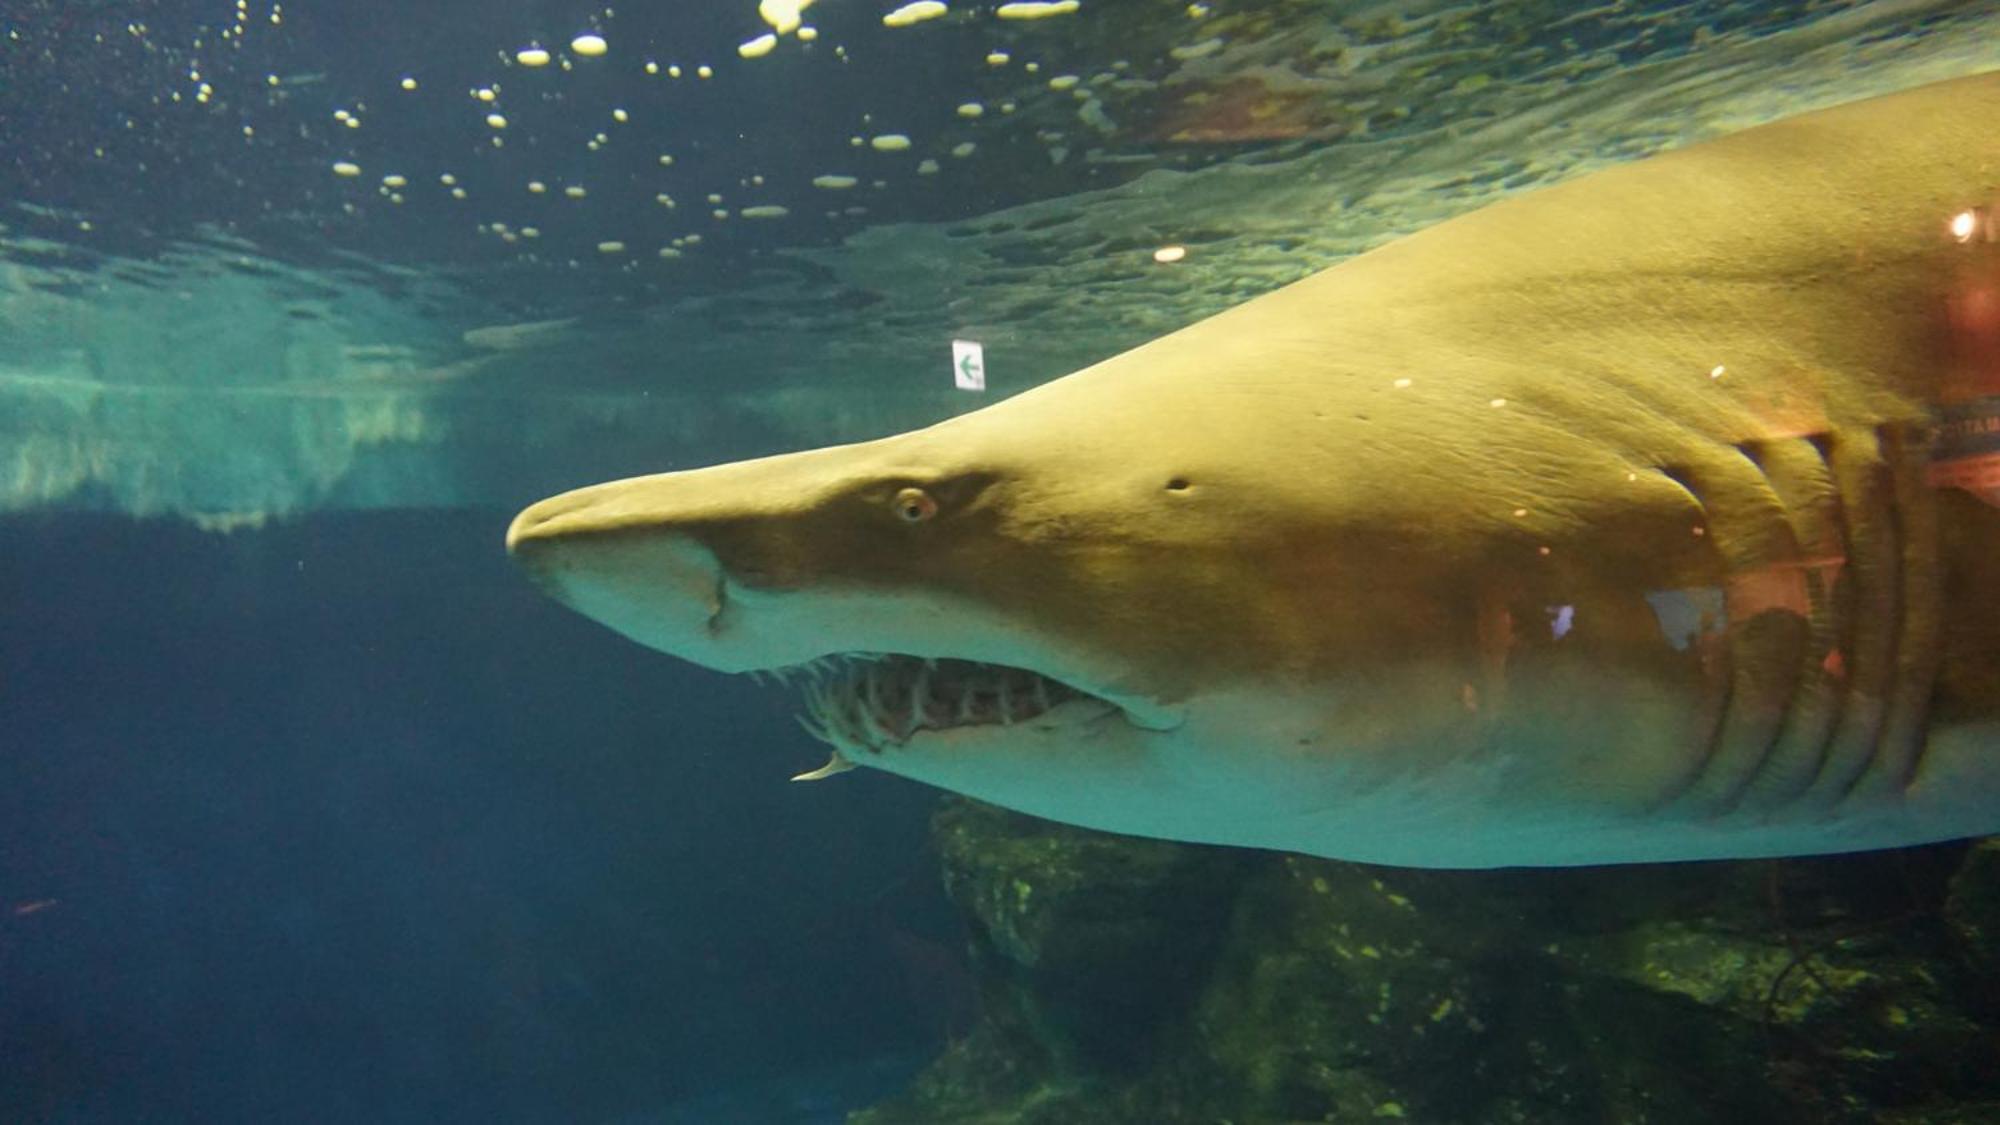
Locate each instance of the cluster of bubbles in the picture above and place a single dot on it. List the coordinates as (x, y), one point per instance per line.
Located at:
(789, 21)
(622, 139)
(596, 47)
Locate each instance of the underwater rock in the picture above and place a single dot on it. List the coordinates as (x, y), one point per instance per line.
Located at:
(1083, 941)
(1130, 980)
(1972, 909)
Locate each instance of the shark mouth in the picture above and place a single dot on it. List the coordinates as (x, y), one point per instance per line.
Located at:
(871, 701)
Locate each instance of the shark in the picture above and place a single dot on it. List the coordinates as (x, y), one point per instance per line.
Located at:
(1654, 515)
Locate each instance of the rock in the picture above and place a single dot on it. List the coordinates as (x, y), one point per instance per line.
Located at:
(1972, 910)
(1139, 981)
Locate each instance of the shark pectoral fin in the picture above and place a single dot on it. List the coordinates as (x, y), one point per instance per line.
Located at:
(834, 765)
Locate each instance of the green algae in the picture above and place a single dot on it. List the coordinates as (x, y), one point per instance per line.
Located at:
(1130, 980)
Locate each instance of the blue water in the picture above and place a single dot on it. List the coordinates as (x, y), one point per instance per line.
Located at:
(290, 835)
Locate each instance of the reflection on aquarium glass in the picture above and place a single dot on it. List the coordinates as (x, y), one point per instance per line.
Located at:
(1067, 562)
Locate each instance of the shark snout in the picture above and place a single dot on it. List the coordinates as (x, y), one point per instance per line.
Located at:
(550, 538)
(620, 510)
(534, 527)
(619, 553)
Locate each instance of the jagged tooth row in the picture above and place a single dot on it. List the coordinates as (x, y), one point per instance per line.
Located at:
(849, 697)
(827, 716)
(871, 706)
(814, 727)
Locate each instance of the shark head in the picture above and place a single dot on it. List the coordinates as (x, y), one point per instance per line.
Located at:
(1009, 607)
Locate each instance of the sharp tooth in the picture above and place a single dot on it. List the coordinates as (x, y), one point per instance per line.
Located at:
(1042, 694)
(1006, 702)
(919, 695)
(814, 727)
(871, 710)
(965, 703)
(855, 739)
(836, 764)
(826, 711)
(840, 726)
(871, 689)
(844, 705)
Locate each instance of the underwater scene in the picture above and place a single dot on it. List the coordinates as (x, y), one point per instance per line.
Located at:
(1032, 561)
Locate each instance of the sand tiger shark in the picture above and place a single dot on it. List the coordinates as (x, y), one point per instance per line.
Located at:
(1654, 515)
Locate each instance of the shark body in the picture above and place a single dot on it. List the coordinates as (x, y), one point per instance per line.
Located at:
(1644, 517)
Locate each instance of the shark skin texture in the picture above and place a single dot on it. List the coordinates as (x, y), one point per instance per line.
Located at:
(1651, 516)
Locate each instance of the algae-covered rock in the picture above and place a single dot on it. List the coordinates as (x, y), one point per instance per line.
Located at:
(1088, 948)
(1972, 909)
(1139, 981)
(1089, 941)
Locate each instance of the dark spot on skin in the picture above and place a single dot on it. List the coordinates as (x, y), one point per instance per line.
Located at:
(1178, 484)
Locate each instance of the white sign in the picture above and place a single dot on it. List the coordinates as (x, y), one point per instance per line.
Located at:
(968, 365)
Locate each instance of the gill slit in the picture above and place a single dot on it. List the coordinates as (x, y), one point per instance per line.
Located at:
(1824, 701)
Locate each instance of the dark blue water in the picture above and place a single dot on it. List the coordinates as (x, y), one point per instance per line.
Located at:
(293, 832)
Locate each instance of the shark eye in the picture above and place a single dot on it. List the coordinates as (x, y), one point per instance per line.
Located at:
(914, 505)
